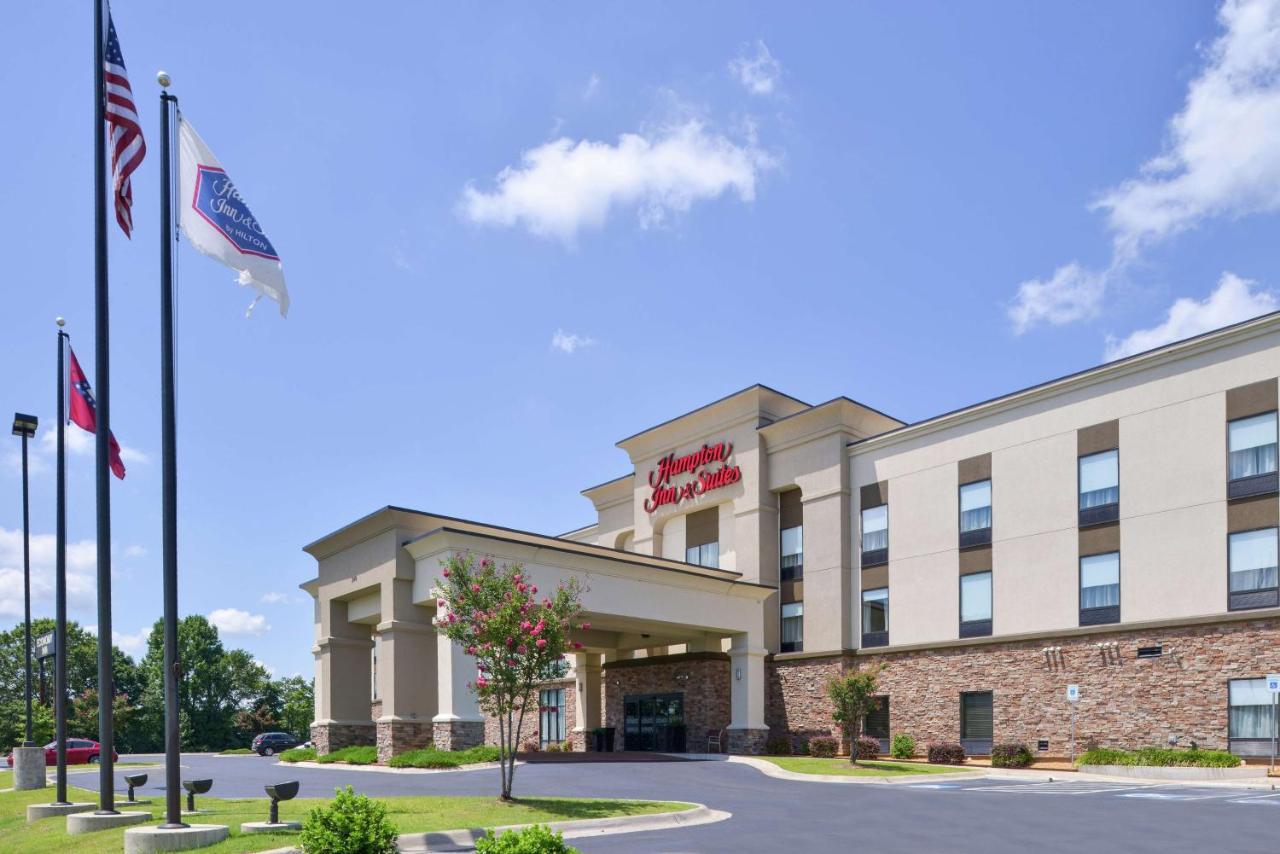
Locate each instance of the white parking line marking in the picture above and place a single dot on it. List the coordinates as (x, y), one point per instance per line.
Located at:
(934, 786)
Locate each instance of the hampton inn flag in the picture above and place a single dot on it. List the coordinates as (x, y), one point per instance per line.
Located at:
(216, 220)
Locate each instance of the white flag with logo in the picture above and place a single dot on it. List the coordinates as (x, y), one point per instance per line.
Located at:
(217, 221)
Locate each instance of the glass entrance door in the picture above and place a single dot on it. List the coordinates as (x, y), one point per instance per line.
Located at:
(654, 722)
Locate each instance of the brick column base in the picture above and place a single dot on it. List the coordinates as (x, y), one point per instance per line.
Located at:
(330, 737)
(457, 735)
(749, 742)
(398, 736)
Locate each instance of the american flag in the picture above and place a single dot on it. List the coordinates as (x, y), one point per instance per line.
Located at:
(123, 128)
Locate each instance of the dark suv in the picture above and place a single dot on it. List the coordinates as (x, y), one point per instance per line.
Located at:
(270, 743)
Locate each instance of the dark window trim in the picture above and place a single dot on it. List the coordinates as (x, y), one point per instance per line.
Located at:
(977, 537)
(1248, 600)
(975, 629)
(791, 573)
(875, 639)
(1098, 616)
(791, 646)
(1103, 513)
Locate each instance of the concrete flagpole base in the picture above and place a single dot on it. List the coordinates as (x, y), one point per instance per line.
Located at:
(35, 812)
(144, 840)
(88, 822)
(28, 768)
(268, 827)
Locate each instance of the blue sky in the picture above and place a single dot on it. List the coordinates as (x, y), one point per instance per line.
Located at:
(514, 237)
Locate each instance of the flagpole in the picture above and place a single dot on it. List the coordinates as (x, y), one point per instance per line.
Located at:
(169, 469)
(60, 580)
(106, 683)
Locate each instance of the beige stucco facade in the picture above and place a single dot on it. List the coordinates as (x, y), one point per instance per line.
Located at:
(687, 561)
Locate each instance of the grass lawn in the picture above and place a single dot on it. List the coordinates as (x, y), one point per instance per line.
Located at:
(865, 768)
(6, 779)
(410, 815)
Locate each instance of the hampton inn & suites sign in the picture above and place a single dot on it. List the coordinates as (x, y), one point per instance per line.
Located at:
(709, 467)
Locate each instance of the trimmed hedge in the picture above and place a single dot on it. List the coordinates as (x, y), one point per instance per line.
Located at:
(868, 747)
(946, 753)
(356, 755)
(1010, 756)
(778, 745)
(1160, 757)
(429, 757)
(903, 746)
(299, 754)
(824, 747)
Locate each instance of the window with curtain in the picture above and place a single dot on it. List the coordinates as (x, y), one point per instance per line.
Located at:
(792, 626)
(875, 528)
(792, 552)
(1250, 707)
(1100, 479)
(975, 597)
(975, 506)
(1252, 560)
(976, 716)
(1252, 446)
(702, 537)
(875, 610)
(551, 718)
(1100, 581)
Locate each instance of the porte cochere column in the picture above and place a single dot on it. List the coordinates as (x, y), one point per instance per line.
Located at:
(748, 732)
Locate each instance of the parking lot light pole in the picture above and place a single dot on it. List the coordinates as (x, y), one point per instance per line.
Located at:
(25, 426)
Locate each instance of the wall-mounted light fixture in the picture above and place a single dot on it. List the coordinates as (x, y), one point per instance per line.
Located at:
(737, 673)
(682, 678)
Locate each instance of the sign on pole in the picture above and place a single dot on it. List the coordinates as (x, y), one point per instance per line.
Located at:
(1273, 685)
(1073, 693)
(44, 646)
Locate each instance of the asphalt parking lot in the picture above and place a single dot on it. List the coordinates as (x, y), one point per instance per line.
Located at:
(993, 815)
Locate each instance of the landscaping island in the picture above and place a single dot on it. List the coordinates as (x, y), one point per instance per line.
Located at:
(842, 767)
(408, 814)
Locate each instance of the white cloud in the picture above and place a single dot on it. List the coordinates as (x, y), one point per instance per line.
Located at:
(1222, 156)
(133, 644)
(562, 187)
(756, 70)
(233, 621)
(592, 88)
(1233, 300)
(133, 455)
(82, 560)
(275, 598)
(1071, 293)
(568, 342)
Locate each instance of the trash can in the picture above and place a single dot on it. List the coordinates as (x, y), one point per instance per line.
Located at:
(603, 741)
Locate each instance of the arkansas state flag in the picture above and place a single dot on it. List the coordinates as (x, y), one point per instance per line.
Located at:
(85, 414)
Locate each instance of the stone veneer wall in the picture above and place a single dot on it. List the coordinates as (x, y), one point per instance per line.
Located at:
(530, 733)
(398, 736)
(330, 737)
(706, 691)
(1125, 702)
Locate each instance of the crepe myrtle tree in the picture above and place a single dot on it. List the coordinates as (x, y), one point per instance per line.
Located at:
(853, 697)
(517, 639)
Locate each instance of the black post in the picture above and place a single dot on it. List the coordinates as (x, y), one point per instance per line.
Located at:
(60, 571)
(102, 470)
(26, 582)
(169, 477)
(43, 699)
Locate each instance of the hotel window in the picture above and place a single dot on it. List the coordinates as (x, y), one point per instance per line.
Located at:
(876, 723)
(1100, 488)
(551, 720)
(975, 513)
(1251, 564)
(977, 722)
(1100, 589)
(875, 617)
(1251, 455)
(792, 627)
(791, 535)
(875, 535)
(975, 605)
(1251, 717)
(702, 537)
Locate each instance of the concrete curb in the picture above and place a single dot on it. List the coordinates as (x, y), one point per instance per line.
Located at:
(769, 769)
(387, 769)
(465, 840)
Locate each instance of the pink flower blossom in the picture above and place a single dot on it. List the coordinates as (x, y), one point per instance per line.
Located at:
(522, 649)
(475, 588)
(510, 642)
(537, 630)
(440, 603)
(482, 682)
(542, 643)
(534, 590)
(526, 625)
(586, 627)
(516, 577)
(446, 572)
(577, 645)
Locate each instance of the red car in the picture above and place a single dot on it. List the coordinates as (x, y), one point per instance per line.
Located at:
(79, 752)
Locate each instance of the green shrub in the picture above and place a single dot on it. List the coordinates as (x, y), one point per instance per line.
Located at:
(947, 753)
(778, 745)
(535, 839)
(364, 754)
(823, 746)
(1160, 757)
(349, 824)
(1010, 756)
(235, 751)
(299, 754)
(429, 757)
(903, 746)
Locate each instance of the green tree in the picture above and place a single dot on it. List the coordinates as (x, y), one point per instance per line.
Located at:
(854, 697)
(494, 614)
(298, 706)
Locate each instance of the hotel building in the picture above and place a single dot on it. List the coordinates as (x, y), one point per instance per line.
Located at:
(1115, 529)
